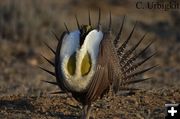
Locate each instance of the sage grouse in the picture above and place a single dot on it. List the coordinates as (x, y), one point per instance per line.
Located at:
(89, 62)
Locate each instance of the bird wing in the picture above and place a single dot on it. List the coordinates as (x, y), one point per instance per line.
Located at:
(102, 77)
(60, 81)
(58, 74)
(116, 65)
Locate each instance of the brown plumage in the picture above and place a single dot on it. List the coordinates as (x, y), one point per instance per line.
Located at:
(115, 69)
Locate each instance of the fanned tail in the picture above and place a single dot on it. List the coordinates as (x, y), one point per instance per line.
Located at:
(128, 68)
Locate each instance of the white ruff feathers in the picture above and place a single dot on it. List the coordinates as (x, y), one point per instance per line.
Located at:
(91, 44)
(70, 45)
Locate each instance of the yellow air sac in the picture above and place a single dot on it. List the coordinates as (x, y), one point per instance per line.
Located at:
(86, 64)
(71, 65)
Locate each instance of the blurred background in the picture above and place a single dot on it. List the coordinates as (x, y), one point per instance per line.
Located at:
(26, 24)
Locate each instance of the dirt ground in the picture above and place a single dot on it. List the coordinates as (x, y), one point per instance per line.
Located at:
(142, 105)
(24, 25)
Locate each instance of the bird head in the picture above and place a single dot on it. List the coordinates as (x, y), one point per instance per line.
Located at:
(85, 29)
(89, 62)
(86, 62)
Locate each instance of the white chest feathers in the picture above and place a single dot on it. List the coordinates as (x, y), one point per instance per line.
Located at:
(75, 57)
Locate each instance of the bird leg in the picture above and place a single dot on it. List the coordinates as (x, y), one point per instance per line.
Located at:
(86, 111)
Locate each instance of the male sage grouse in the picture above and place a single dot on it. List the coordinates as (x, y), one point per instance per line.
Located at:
(89, 62)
